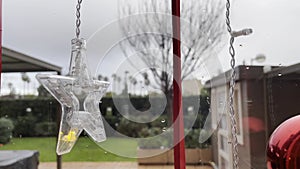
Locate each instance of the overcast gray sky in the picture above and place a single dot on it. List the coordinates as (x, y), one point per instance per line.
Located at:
(44, 28)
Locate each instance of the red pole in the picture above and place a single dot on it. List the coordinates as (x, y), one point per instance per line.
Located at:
(179, 150)
(0, 41)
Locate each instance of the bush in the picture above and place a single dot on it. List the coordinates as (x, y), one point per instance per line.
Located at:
(46, 129)
(24, 126)
(6, 128)
(113, 121)
(130, 128)
(153, 139)
(192, 139)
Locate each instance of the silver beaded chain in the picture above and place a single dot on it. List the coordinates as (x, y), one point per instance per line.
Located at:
(233, 34)
(231, 90)
(78, 21)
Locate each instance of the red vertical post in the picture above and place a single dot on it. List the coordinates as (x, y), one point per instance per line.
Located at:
(179, 150)
(0, 41)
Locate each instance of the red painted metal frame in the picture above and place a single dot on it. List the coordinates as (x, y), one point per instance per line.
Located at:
(179, 150)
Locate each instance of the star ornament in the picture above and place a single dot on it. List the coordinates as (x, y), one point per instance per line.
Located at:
(79, 95)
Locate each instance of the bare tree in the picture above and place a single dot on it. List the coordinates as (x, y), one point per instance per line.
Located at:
(201, 33)
(149, 35)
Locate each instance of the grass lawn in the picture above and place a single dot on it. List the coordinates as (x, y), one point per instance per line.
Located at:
(84, 150)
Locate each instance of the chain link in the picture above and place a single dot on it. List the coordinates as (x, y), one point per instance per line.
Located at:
(78, 21)
(231, 90)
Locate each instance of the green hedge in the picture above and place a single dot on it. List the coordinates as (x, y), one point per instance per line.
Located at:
(41, 120)
(28, 114)
(43, 109)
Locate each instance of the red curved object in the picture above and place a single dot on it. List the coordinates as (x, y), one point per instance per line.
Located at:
(283, 150)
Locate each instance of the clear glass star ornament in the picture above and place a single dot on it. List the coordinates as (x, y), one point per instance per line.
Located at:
(79, 95)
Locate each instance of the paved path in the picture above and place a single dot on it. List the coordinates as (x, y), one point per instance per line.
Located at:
(111, 165)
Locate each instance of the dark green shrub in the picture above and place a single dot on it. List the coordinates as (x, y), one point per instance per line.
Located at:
(130, 128)
(153, 138)
(192, 139)
(6, 128)
(24, 126)
(46, 129)
(113, 121)
(43, 109)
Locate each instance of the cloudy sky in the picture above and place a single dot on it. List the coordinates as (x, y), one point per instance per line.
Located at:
(44, 28)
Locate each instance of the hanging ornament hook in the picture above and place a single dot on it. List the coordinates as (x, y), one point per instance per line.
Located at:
(233, 34)
(243, 32)
(78, 21)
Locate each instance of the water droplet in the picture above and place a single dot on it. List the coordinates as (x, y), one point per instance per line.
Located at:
(105, 153)
(279, 74)
(247, 68)
(164, 129)
(163, 121)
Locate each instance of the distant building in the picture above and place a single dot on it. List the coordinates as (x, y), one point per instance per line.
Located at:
(191, 87)
(264, 98)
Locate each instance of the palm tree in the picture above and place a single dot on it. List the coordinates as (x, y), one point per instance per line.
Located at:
(125, 91)
(100, 77)
(25, 79)
(146, 80)
(119, 82)
(130, 84)
(106, 78)
(114, 78)
(134, 82)
(12, 90)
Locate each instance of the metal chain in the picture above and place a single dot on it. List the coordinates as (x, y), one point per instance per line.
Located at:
(231, 90)
(78, 21)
